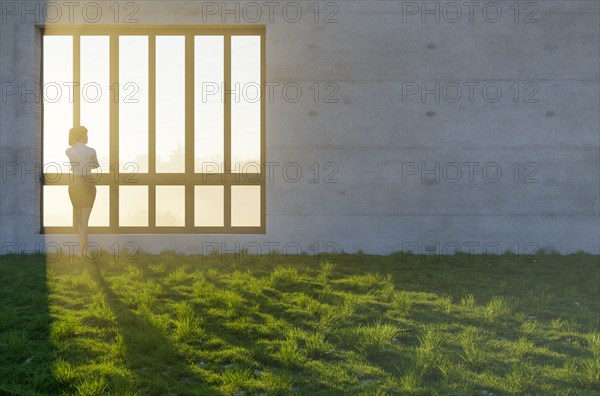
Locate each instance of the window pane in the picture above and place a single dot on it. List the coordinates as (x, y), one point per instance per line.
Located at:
(245, 206)
(133, 205)
(95, 95)
(100, 216)
(209, 107)
(133, 103)
(170, 104)
(245, 105)
(58, 101)
(170, 205)
(58, 210)
(208, 206)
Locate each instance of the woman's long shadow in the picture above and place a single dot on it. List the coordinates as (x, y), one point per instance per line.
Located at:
(146, 347)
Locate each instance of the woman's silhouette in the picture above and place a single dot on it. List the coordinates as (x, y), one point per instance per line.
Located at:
(82, 189)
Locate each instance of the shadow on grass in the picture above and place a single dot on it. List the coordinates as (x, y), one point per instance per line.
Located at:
(26, 351)
(233, 347)
(147, 351)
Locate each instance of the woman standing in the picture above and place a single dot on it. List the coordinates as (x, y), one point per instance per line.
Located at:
(82, 189)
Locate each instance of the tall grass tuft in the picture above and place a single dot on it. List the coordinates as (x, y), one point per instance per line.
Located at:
(468, 301)
(523, 347)
(284, 277)
(278, 382)
(313, 343)
(236, 378)
(429, 353)
(332, 317)
(92, 386)
(325, 271)
(410, 382)
(589, 373)
(520, 380)
(289, 353)
(176, 277)
(64, 373)
(472, 349)
(118, 348)
(371, 339)
(446, 302)
(401, 302)
(188, 325)
(496, 308)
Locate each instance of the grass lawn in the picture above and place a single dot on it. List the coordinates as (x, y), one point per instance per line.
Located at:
(344, 324)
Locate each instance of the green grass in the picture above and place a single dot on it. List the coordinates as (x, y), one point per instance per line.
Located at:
(332, 325)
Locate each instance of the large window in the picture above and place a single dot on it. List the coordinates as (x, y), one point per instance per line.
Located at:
(177, 117)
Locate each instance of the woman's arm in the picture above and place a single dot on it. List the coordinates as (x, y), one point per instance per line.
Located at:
(94, 163)
(68, 153)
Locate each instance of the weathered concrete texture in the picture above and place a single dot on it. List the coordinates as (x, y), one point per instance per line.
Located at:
(374, 197)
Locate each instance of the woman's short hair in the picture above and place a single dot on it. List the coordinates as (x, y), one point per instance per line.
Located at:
(76, 133)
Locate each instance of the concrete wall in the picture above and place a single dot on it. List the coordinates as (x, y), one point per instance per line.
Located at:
(378, 139)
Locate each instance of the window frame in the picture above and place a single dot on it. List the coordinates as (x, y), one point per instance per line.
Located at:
(189, 178)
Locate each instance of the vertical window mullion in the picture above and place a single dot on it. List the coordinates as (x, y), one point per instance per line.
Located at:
(114, 133)
(227, 130)
(41, 79)
(152, 128)
(76, 80)
(263, 133)
(189, 130)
